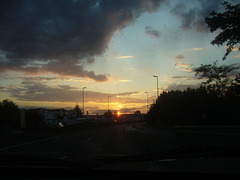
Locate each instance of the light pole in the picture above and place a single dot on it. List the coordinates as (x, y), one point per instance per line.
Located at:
(108, 102)
(83, 98)
(157, 85)
(125, 107)
(147, 102)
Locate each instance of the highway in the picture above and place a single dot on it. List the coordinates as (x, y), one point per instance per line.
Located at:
(97, 146)
(99, 142)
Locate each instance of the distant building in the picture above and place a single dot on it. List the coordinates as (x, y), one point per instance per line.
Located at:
(53, 114)
(130, 117)
(71, 114)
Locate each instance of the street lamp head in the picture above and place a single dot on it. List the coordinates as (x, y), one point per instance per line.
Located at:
(84, 87)
(155, 76)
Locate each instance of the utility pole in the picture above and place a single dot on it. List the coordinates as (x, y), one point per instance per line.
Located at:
(83, 98)
(147, 102)
(108, 103)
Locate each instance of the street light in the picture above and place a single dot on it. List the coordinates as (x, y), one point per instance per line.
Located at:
(83, 98)
(147, 102)
(125, 107)
(157, 84)
(108, 102)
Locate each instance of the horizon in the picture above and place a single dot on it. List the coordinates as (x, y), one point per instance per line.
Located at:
(121, 112)
(51, 50)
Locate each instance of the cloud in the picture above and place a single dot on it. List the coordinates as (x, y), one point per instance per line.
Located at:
(180, 56)
(124, 57)
(237, 56)
(4, 88)
(43, 78)
(180, 87)
(195, 49)
(235, 71)
(152, 32)
(179, 77)
(124, 80)
(235, 49)
(60, 36)
(46, 79)
(31, 90)
(193, 18)
(127, 94)
(184, 66)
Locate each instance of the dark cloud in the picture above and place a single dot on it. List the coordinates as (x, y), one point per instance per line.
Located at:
(180, 56)
(61, 36)
(38, 79)
(193, 18)
(180, 77)
(152, 32)
(236, 69)
(180, 87)
(32, 90)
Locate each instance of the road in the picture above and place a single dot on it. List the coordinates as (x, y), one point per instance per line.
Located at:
(101, 142)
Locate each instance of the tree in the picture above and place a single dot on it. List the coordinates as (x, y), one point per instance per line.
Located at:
(33, 119)
(229, 24)
(233, 93)
(217, 76)
(9, 113)
(108, 114)
(137, 112)
(78, 111)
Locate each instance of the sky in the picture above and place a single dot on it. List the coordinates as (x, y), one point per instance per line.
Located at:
(50, 50)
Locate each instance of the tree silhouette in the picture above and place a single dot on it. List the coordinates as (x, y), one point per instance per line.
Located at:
(202, 105)
(78, 111)
(108, 114)
(218, 79)
(10, 114)
(229, 24)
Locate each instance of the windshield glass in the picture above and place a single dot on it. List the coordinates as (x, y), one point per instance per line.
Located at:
(102, 79)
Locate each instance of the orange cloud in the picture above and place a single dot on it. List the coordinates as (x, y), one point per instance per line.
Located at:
(124, 57)
(195, 49)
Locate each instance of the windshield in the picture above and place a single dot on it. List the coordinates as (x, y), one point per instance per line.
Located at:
(91, 80)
